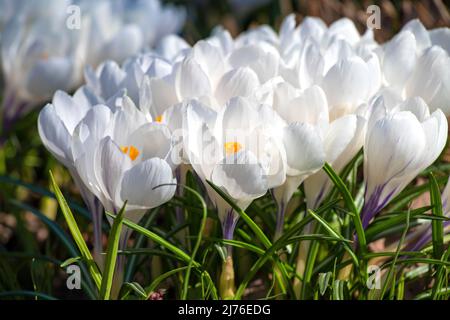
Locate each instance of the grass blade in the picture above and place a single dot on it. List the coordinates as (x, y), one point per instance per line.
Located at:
(76, 234)
(437, 226)
(111, 255)
(350, 203)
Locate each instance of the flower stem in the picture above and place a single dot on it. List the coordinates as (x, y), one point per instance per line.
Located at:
(227, 288)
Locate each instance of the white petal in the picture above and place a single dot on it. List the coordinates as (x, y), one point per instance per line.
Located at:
(110, 165)
(163, 96)
(346, 85)
(304, 149)
(140, 184)
(152, 140)
(47, 76)
(243, 180)
(237, 82)
(393, 147)
(127, 42)
(399, 58)
(441, 37)
(264, 61)
(191, 80)
(420, 33)
(346, 28)
(54, 134)
(211, 60)
(111, 77)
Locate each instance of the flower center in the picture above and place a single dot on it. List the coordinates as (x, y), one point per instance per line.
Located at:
(131, 151)
(232, 147)
(159, 118)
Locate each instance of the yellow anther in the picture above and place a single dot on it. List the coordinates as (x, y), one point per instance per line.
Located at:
(132, 152)
(232, 147)
(159, 118)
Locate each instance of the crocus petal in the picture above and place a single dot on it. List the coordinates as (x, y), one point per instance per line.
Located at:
(241, 177)
(49, 75)
(237, 82)
(191, 80)
(420, 33)
(305, 153)
(441, 37)
(54, 134)
(142, 185)
(399, 58)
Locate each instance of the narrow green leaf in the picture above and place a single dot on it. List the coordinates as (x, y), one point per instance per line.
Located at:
(76, 234)
(134, 287)
(70, 261)
(197, 243)
(440, 277)
(437, 226)
(336, 235)
(390, 276)
(166, 244)
(111, 255)
(255, 228)
(350, 203)
(161, 278)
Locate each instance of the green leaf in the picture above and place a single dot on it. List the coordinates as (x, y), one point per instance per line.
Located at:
(336, 235)
(166, 244)
(350, 203)
(253, 226)
(139, 242)
(133, 287)
(441, 275)
(390, 276)
(76, 234)
(111, 255)
(63, 236)
(197, 243)
(70, 261)
(161, 278)
(437, 226)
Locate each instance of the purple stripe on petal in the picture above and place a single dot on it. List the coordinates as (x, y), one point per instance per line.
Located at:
(228, 225)
(375, 204)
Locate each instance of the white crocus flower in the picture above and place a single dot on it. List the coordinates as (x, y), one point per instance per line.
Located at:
(337, 58)
(236, 150)
(56, 124)
(306, 115)
(121, 29)
(343, 138)
(121, 156)
(414, 63)
(212, 75)
(39, 56)
(399, 144)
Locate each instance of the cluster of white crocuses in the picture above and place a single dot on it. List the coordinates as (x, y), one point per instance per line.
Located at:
(45, 44)
(256, 114)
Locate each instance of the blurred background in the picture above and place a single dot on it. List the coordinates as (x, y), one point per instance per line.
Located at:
(24, 162)
(239, 15)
